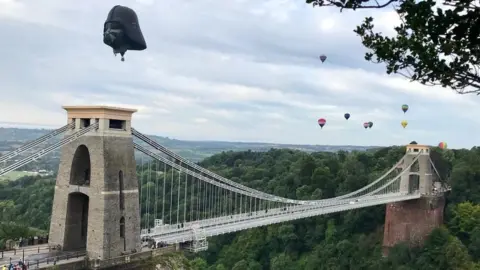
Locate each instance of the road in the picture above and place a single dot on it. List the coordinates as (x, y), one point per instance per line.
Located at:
(19, 253)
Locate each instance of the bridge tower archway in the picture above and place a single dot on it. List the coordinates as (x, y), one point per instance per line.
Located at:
(81, 167)
(97, 169)
(414, 183)
(76, 223)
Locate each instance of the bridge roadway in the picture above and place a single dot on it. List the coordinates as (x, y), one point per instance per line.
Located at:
(19, 253)
(175, 228)
(171, 234)
(41, 257)
(40, 253)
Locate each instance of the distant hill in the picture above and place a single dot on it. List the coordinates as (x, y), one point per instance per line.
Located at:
(193, 150)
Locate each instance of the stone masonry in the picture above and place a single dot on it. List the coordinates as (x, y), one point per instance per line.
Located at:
(411, 221)
(110, 151)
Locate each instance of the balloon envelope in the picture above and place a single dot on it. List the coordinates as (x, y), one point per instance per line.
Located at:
(404, 123)
(442, 145)
(366, 125)
(121, 31)
(323, 58)
(370, 124)
(404, 108)
(322, 122)
(347, 115)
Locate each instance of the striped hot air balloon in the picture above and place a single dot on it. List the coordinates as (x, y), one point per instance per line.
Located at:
(442, 145)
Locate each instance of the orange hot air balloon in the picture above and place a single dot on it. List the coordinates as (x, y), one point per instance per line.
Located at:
(442, 145)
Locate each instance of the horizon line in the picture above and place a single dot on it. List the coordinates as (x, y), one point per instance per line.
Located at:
(32, 126)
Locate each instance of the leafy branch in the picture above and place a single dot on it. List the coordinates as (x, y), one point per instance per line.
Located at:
(432, 45)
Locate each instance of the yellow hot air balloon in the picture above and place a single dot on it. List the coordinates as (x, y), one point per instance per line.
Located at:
(404, 123)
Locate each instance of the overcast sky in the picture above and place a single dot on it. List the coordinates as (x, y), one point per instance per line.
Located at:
(236, 70)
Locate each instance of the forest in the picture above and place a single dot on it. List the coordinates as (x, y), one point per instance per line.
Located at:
(348, 240)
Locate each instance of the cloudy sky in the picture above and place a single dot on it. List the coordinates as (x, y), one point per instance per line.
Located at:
(236, 70)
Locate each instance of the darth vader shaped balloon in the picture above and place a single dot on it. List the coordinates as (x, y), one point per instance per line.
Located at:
(121, 31)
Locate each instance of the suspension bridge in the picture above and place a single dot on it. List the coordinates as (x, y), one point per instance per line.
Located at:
(119, 192)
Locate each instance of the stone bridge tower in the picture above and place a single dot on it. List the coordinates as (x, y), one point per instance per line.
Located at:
(96, 203)
(412, 221)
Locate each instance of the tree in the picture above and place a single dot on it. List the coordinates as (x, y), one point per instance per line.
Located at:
(433, 46)
(282, 261)
(474, 246)
(199, 264)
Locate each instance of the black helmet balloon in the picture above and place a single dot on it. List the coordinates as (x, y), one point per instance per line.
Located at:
(122, 32)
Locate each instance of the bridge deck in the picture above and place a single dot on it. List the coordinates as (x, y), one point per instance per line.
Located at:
(242, 222)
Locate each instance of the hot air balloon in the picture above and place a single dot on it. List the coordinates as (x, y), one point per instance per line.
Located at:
(323, 58)
(442, 145)
(366, 125)
(404, 108)
(370, 124)
(321, 122)
(347, 115)
(404, 123)
(121, 31)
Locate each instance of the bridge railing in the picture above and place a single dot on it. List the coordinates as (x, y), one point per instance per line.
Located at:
(35, 264)
(21, 251)
(125, 259)
(54, 260)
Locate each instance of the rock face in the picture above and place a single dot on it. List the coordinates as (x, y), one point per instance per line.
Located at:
(411, 221)
(172, 261)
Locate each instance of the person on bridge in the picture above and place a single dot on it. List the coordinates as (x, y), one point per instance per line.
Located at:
(4, 267)
(21, 265)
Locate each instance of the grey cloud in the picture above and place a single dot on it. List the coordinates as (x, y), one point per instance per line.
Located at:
(269, 87)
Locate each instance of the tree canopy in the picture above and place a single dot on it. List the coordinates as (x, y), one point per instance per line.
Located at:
(436, 43)
(350, 240)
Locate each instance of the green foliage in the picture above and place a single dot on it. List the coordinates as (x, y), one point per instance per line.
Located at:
(433, 46)
(12, 230)
(27, 201)
(25, 207)
(465, 218)
(199, 264)
(170, 261)
(350, 240)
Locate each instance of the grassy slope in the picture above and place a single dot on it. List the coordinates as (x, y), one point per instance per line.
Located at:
(14, 175)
